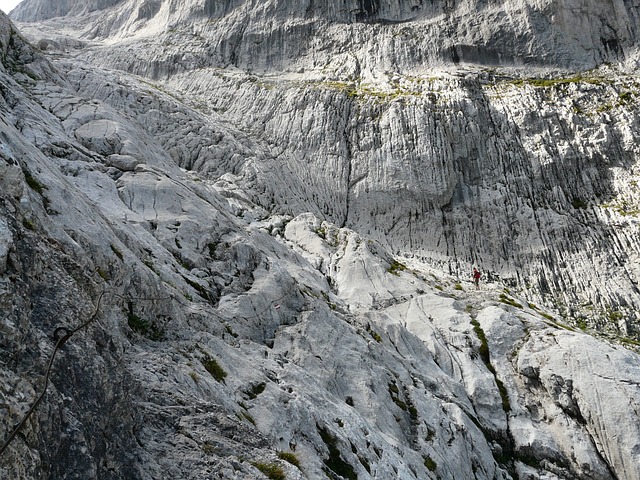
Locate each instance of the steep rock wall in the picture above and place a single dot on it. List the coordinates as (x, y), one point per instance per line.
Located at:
(532, 181)
(371, 35)
(452, 192)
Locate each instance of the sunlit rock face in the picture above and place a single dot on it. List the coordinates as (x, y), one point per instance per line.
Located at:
(270, 211)
(358, 113)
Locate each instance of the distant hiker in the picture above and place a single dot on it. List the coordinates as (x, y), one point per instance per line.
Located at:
(476, 278)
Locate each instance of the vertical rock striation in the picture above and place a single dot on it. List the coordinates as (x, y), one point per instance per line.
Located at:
(532, 179)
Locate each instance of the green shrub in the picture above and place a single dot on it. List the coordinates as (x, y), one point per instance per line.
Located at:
(506, 403)
(212, 249)
(578, 203)
(486, 358)
(625, 98)
(202, 291)
(509, 301)
(376, 336)
(247, 416)
(28, 224)
(484, 345)
(630, 341)
(208, 448)
(118, 253)
(145, 328)
(34, 183)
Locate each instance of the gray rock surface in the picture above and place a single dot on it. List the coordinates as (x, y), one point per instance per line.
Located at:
(283, 34)
(279, 260)
(531, 178)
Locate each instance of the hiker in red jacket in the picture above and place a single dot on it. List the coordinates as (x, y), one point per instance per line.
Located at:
(476, 278)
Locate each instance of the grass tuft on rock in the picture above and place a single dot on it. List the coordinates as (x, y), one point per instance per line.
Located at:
(396, 267)
(486, 358)
(212, 366)
(272, 471)
(289, 457)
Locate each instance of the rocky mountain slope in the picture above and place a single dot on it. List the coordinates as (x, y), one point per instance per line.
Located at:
(484, 163)
(266, 214)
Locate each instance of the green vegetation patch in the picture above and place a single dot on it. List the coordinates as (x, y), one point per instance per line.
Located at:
(28, 224)
(509, 301)
(212, 366)
(272, 471)
(375, 335)
(247, 416)
(202, 291)
(623, 208)
(486, 358)
(289, 457)
(630, 341)
(554, 82)
(625, 98)
(396, 267)
(394, 393)
(614, 315)
(430, 463)
(335, 463)
(117, 252)
(321, 232)
(484, 345)
(256, 390)
(578, 203)
(34, 183)
(212, 249)
(144, 327)
(506, 403)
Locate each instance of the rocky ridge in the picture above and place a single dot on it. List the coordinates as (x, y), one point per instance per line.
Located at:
(253, 313)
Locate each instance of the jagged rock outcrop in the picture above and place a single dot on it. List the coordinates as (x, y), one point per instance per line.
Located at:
(275, 262)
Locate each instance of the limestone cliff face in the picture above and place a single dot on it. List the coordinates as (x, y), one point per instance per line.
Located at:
(275, 262)
(374, 34)
(534, 181)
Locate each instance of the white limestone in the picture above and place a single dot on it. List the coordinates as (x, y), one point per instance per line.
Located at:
(315, 240)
